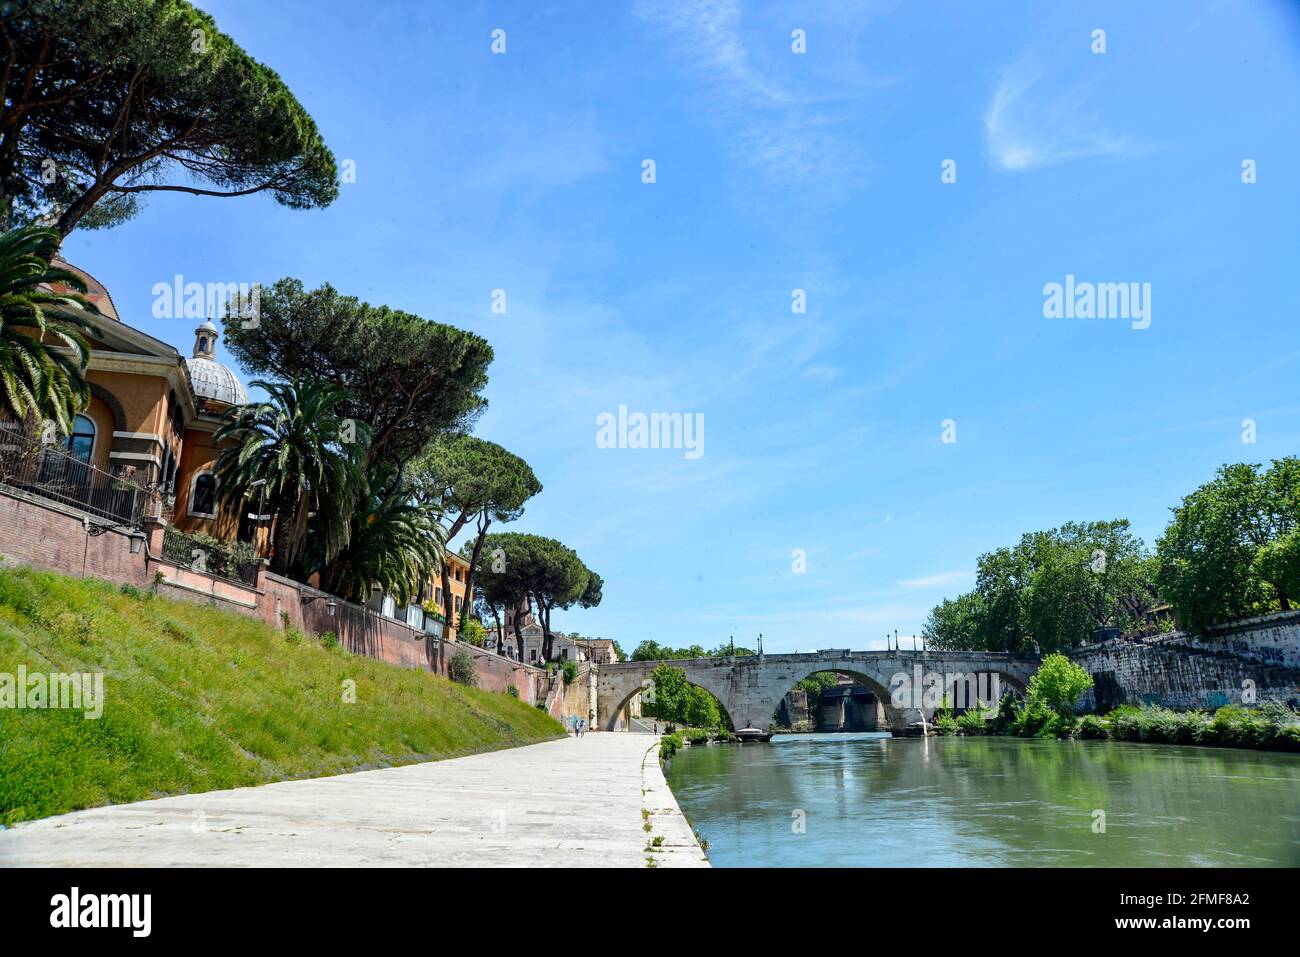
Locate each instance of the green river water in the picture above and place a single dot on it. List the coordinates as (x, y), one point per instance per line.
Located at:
(870, 800)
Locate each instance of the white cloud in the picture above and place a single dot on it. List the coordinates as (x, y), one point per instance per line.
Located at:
(1026, 127)
(937, 581)
(779, 128)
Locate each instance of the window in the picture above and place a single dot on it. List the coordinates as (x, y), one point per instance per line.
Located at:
(81, 443)
(203, 495)
(437, 596)
(532, 654)
(458, 602)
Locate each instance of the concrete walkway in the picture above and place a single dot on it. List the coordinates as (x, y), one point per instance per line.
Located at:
(568, 803)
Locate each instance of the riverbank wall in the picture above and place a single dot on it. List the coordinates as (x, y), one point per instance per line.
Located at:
(1246, 662)
(55, 537)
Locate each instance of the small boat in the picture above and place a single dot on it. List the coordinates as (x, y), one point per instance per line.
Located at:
(752, 734)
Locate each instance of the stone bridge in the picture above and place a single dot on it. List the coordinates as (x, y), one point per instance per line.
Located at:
(909, 684)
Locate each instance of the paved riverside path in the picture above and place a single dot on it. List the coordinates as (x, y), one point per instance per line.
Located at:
(564, 803)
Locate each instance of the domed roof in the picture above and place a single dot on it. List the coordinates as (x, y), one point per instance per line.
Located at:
(209, 378)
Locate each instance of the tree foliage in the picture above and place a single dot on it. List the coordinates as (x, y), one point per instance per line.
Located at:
(289, 453)
(108, 100)
(1230, 550)
(1058, 683)
(395, 542)
(409, 379)
(650, 650)
(535, 570)
(676, 700)
(1051, 589)
(36, 380)
(471, 479)
(957, 624)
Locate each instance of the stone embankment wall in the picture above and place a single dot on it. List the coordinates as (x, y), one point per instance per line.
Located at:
(35, 531)
(578, 698)
(1249, 661)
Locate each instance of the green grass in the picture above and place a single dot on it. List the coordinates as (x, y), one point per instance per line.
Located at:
(198, 699)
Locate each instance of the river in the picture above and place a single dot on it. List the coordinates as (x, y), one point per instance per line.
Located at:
(872, 800)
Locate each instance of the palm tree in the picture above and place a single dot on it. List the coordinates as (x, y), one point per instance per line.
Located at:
(43, 347)
(395, 542)
(298, 452)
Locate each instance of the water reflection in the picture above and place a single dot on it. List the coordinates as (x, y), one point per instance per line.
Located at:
(870, 800)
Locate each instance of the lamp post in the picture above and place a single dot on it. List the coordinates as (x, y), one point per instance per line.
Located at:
(331, 606)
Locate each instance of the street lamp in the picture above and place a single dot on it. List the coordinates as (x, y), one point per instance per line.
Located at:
(331, 606)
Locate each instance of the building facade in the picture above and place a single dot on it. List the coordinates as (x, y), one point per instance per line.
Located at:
(151, 419)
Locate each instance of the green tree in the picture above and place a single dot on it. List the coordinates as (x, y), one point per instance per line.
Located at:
(502, 583)
(1229, 550)
(1052, 589)
(289, 452)
(702, 709)
(394, 542)
(535, 571)
(38, 381)
(1278, 563)
(670, 694)
(119, 98)
(957, 624)
(1058, 683)
(555, 578)
(471, 479)
(409, 379)
(462, 668)
(650, 650)
(473, 632)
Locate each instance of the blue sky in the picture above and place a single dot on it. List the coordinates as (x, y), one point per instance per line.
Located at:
(777, 171)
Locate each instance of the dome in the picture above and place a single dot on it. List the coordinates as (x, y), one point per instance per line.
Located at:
(209, 378)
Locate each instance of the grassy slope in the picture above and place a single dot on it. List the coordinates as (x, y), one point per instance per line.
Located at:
(198, 699)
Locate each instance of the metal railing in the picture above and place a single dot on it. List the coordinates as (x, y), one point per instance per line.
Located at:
(48, 471)
(209, 557)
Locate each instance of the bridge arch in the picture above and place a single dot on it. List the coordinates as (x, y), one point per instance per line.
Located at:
(862, 677)
(608, 717)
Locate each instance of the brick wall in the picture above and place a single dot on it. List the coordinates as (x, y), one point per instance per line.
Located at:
(35, 531)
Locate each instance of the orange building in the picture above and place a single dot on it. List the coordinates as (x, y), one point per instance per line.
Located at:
(150, 422)
(152, 415)
(458, 582)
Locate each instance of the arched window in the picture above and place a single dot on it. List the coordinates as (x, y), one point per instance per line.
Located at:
(81, 443)
(78, 447)
(203, 496)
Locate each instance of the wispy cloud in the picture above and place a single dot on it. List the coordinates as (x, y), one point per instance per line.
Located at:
(937, 581)
(1027, 126)
(783, 128)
